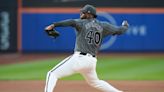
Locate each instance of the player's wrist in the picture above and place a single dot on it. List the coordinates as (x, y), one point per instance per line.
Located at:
(52, 26)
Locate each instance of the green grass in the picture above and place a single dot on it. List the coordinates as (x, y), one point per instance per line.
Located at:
(108, 68)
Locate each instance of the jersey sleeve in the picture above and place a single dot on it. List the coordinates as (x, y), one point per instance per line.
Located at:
(110, 29)
(65, 23)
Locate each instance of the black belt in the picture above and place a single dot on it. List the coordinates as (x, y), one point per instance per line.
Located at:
(82, 53)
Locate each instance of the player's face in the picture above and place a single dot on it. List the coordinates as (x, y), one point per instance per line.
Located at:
(83, 15)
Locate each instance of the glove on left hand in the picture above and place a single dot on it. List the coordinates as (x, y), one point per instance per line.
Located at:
(52, 33)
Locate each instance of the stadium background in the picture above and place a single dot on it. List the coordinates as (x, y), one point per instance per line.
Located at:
(23, 41)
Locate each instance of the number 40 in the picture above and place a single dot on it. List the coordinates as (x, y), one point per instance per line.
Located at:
(93, 37)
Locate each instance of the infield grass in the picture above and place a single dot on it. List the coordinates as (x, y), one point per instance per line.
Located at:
(108, 68)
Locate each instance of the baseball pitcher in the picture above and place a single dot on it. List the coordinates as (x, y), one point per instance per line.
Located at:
(89, 35)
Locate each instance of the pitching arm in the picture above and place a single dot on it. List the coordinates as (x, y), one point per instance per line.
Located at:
(115, 30)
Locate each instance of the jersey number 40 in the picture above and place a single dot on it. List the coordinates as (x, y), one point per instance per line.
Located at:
(93, 37)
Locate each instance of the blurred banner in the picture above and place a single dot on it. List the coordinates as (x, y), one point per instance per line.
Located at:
(97, 3)
(145, 32)
(8, 26)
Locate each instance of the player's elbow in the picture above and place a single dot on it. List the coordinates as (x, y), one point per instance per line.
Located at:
(120, 31)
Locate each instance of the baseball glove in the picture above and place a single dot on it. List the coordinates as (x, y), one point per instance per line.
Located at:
(52, 33)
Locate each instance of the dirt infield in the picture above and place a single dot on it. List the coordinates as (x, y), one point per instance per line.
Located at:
(80, 86)
(12, 58)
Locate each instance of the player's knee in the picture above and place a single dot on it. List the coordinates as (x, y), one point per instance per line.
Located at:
(50, 73)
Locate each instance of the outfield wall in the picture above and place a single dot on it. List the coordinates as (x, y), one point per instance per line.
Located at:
(8, 26)
(145, 32)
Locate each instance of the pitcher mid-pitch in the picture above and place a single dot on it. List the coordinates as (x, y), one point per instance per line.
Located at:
(89, 35)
